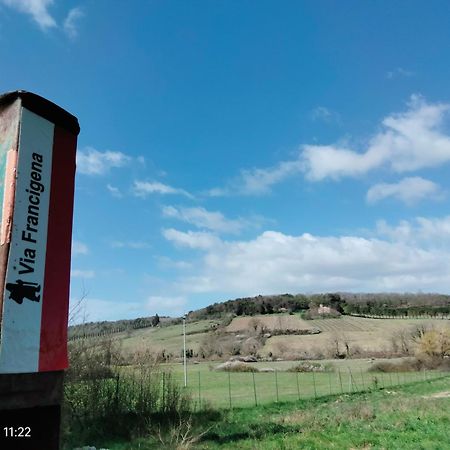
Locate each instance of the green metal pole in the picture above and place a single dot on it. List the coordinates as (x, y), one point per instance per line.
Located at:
(199, 392)
(340, 381)
(276, 384)
(229, 387)
(314, 383)
(254, 389)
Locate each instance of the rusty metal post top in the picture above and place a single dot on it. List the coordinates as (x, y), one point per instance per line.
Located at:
(44, 108)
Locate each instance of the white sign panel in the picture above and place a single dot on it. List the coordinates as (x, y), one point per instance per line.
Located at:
(24, 285)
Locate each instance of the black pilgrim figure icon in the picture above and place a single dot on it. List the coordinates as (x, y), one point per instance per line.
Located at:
(24, 289)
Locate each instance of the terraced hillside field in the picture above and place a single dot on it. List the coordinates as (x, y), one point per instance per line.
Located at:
(358, 333)
(350, 334)
(270, 322)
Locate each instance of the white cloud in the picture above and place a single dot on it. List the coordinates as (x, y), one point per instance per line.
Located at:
(259, 181)
(274, 262)
(77, 273)
(408, 190)
(94, 162)
(201, 218)
(162, 305)
(168, 263)
(114, 191)
(94, 309)
(425, 232)
(37, 9)
(399, 72)
(145, 188)
(322, 161)
(79, 248)
(191, 239)
(218, 192)
(408, 141)
(71, 21)
(324, 114)
(136, 245)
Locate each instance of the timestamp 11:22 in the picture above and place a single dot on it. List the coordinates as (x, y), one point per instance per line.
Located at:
(17, 431)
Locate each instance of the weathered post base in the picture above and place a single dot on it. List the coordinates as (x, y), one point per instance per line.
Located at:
(30, 410)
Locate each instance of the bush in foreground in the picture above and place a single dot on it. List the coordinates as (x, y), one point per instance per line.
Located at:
(123, 407)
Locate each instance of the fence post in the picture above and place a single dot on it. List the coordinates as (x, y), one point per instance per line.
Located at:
(329, 382)
(340, 381)
(199, 392)
(163, 391)
(353, 380)
(350, 384)
(314, 383)
(254, 389)
(362, 380)
(276, 384)
(398, 379)
(298, 386)
(229, 388)
(117, 390)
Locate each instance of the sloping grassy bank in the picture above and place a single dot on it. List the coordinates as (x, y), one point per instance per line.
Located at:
(410, 417)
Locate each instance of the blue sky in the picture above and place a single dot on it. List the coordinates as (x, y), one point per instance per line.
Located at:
(235, 148)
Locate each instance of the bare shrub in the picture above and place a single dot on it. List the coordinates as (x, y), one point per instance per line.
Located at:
(92, 358)
(409, 365)
(412, 365)
(180, 436)
(311, 367)
(434, 343)
(143, 356)
(236, 366)
(211, 345)
(401, 342)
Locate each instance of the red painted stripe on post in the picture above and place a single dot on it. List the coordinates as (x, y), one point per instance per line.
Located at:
(53, 348)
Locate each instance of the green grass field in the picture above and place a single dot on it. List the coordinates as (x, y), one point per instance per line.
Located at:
(411, 417)
(168, 338)
(348, 406)
(221, 389)
(408, 417)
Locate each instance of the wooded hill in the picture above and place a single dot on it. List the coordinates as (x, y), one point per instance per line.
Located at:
(385, 304)
(118, 326)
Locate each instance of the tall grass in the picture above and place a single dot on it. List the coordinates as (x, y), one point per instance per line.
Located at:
(103, 404)
(124, 406)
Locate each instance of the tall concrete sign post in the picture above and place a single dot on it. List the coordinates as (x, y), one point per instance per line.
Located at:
(37, 171)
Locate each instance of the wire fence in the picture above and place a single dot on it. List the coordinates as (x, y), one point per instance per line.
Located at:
(239, 389)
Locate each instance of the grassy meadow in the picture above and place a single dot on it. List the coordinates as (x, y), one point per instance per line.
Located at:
(167, 338)
(414, 416)
(222, 389)
(137, 399)
(409, 417)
